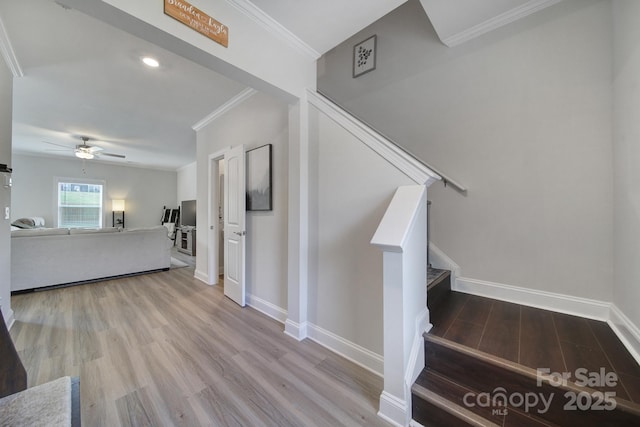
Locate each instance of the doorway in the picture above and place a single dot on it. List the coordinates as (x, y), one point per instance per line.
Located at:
(215, 238)
(227, 197)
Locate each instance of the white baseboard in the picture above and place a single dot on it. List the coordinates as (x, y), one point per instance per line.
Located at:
(359, 355)
(295, 330)
(203, 277)
(265, 307)
(628, 333)
(567, 304)
(10, 319)
(439, 259)
(393, 410)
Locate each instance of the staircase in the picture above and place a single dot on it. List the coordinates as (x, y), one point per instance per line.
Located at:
(482, 360)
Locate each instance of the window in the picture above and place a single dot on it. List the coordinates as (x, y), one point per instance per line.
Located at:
(79, 203)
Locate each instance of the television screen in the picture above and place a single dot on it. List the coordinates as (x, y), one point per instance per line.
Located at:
(188, 213)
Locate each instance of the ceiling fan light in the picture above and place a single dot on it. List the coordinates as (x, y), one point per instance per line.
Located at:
(84, 155)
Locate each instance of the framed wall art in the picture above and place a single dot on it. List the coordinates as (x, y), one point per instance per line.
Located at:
(259, 192)
(364, 56)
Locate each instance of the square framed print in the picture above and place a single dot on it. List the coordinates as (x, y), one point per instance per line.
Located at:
(259, 193)
(364, 56)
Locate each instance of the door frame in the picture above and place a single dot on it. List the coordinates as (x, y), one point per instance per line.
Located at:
(213, 204)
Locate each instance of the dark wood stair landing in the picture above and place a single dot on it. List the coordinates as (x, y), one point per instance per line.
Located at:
(472, 334)
(536, 338)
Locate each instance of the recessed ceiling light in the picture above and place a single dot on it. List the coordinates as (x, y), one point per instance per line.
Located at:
(151, 62)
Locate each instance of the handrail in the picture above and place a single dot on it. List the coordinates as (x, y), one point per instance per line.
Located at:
(446, 180)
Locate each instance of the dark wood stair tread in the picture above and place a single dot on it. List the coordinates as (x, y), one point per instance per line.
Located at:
(536, 338)
(442, 412)
(455, 367)
(452, 395)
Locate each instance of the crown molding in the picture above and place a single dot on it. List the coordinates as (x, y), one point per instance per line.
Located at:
(259, 16)
(229, 105)
(7, 52)
(505, 18)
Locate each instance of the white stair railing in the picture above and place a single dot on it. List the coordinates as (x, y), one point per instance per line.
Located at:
(402, 236)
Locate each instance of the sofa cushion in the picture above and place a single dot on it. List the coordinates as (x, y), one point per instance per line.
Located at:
(40, 232)
(93, 230)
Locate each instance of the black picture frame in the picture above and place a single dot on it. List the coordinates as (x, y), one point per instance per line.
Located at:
(364, 56)
(259, 179)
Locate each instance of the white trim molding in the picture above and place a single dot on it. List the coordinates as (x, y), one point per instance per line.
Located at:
(501, 20)
(624, 328)
(203, 277)
(9, 55)
(416, 357)
(224, 108)
(267, 308)
(367, 359)
(271, 25)
(392, 409)
(440, 260)
(576, 306)
(399, 158)
(10, 319)
(297, 331)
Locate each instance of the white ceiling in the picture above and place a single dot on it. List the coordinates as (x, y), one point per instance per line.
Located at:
(325, 24)
(457, 21)
(83, 77)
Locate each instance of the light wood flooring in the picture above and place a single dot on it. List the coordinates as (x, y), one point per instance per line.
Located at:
(164, 349)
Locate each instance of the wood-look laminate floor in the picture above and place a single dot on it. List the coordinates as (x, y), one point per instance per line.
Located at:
(164, 349)
(537, 338)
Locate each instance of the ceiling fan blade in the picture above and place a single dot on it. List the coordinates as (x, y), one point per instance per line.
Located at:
(93, 149)
(59, 145)
(57, 149)
(120, 156)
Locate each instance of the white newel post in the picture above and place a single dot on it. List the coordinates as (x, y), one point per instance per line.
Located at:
(402, 235)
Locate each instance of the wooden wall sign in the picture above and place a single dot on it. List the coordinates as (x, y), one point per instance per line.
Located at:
(198, 20)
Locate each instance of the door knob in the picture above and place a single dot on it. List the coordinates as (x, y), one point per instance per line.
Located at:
(240, 233)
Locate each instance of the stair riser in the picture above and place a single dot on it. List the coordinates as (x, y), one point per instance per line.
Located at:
(431, 416)
(438, 292)
(485, 377)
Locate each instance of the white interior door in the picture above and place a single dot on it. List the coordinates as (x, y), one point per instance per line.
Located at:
(234, 224)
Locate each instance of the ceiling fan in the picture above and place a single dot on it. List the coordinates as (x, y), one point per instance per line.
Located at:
(85, 151)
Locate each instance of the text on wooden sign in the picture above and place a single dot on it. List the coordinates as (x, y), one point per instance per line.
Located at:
(198, 20)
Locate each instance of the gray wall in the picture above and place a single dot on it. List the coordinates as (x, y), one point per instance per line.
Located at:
(626, 155)
(187, 182)
(522, 116)
(145, 191)
(6, 106)
(350, 190)
(257, 121)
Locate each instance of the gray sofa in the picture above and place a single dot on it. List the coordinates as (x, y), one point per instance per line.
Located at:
(43, 257)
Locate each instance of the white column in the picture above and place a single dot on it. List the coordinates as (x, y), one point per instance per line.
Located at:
(296, 323)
